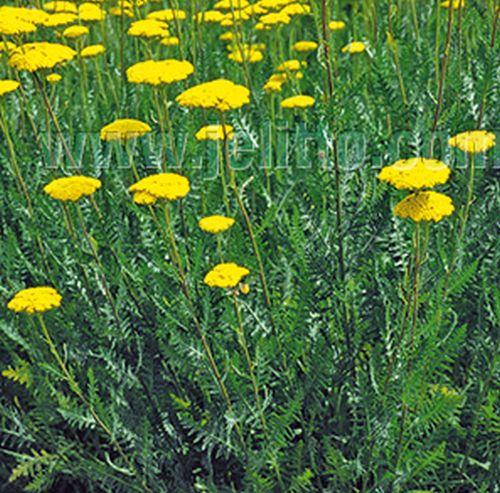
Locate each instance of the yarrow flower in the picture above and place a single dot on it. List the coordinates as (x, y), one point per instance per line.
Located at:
(167, 15)
(90, 12)
(415, 173)
(354, 47)
(74, 32)
(124, 129)
(454, 4)
(225, 275)
(170, 41)
(7, 86)
(60, 6)
(336, 25)
(219, 94)
(215, 132)
(159, 72)
(35, 300)
(291, 66)
(305, 46)
(166, 186)
(53, 78)
(12, 26)
(473, 142)
(299, 101)
(92, 50)
(215, 224)
(148, 28)
(72, 188)
(425, 206)
(39, 55)
(7, 46)
(62, 19)
(247, 54)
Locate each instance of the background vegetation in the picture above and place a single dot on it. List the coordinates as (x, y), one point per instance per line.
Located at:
(349, 403)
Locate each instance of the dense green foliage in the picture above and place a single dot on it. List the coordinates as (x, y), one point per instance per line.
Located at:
(351, 398)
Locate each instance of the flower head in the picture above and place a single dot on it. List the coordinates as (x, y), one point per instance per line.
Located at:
(167, 15)
(90, 12)
(454, 4)
(72, 188)
(39, 55)
(305, 46)
(354, 47)
(53, 78)
(60, 6)
(473, 142)
(148, 28)
(35, 300)
(246, 54)
(215, 132)
(7, 86)
(159, 72)
(219, 94)
(336, 25)
(166, 186)
(415, 173)
(299, 101)
(215, 224)
(170, 41)
(226, 275)
(92, 50)
(425, 206)
(12, 26)
(124, 129)
(75, 31)
(61, 19)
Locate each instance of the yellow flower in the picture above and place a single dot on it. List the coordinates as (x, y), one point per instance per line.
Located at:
(209, 16)
(33, 15)
(425, 206)
(275, 83)
(305, 46)
(124, 129)
(473, 142)
(159, 72)
(219, 94)
(148, 28)
(215, 224)
(299, 101)
(35, 56)
(72, 188)
(92, 50)
(7, 86)
(296, 9)
(121, 11)
(167, 186)
(215, 132)
(60, 6)
(354, 47)
(11, 26)
(291, 66)
(75, 31)
(272, 20)
(170, 41)
(226, 275)
(90, 12)
(61, 19)
(336, 25)
(53, 78)
(167, 15)
(454, 4)
(35, 300)
(7, 46)
(415, 173)
(231, 4)
(247, 54)
(244, 289)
